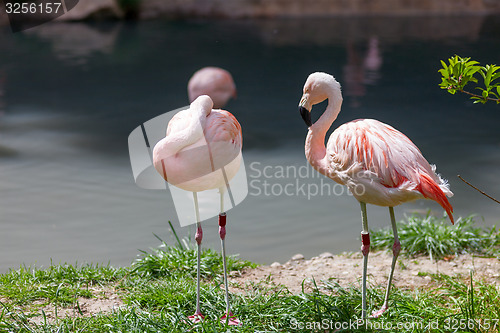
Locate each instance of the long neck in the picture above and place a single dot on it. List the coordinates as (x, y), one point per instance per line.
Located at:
(315, 141)
(176, 141)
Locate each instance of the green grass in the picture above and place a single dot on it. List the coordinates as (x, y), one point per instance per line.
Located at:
(174, 261)
(437, 238)
(58, 284)
(159, 290)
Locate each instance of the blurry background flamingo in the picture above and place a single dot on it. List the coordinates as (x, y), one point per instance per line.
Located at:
(202, 151)
(378, 164)
(361, 70)
(214, 82)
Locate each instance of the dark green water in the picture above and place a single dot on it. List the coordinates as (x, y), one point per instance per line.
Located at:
(70, 94)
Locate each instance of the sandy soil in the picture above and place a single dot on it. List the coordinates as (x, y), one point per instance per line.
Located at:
(346, 269)
(105, 301)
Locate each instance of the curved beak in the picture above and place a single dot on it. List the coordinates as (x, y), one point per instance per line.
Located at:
(304, 112)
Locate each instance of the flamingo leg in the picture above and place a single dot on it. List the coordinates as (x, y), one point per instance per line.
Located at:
(197, 316)
(228, 318)
(365, 249)
(396, 248)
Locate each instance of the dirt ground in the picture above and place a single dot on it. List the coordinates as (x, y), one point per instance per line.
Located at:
(104, 301)
(346, 269)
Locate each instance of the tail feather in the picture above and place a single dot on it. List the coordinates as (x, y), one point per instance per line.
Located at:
(431, 190)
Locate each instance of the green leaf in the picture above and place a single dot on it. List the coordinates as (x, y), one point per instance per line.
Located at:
(456, 72)
(495, 76)
(482, 72)
(489, 73)
(472, 70)
(444, 65)
(444, 74)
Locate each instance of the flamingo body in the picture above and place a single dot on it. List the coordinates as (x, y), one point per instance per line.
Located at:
(378, 164)
(199, 141)
(381, 166)
(214, 82)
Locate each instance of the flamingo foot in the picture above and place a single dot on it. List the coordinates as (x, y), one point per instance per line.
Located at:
(196, 318)
(377, 314)
(232, 321)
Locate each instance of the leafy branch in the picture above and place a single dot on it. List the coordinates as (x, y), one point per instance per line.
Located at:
(460, 71)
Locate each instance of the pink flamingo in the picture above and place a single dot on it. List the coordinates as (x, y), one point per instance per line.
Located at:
(202, 151)
(214, 82)
(378, 164)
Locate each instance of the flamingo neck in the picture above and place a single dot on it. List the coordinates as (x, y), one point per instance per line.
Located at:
(315, 141)
(189, 135)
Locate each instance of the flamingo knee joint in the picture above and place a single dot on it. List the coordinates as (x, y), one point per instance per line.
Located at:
(396, 248)
(365, 243)
(222, 225)
(199, 235)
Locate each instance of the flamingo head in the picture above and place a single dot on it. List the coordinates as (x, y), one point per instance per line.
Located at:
(318, 87)
(203, 103)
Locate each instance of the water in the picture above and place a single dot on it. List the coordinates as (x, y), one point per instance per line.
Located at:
(71, 93)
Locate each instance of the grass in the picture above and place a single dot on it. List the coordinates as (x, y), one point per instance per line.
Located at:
(174, 261)
(159, 292)
(437, 238)
(59, 284)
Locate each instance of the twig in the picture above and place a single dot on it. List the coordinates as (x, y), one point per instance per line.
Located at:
(466, 182)
(480, 97)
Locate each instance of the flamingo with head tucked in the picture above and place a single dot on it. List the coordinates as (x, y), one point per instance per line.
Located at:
(214, 82)
(378, 164)
(202, 151)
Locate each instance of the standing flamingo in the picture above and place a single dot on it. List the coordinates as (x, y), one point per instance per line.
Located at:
(202, 151)
(378, 164)
(214, 82)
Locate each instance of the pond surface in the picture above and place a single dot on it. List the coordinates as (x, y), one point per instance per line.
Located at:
(70, 94)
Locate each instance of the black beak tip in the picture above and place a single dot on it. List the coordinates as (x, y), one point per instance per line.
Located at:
(306, 115)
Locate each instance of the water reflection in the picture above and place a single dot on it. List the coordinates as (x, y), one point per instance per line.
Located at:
(361, 70)
(73, 92)
(332, 31)
(3, 79)
(75, 43)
